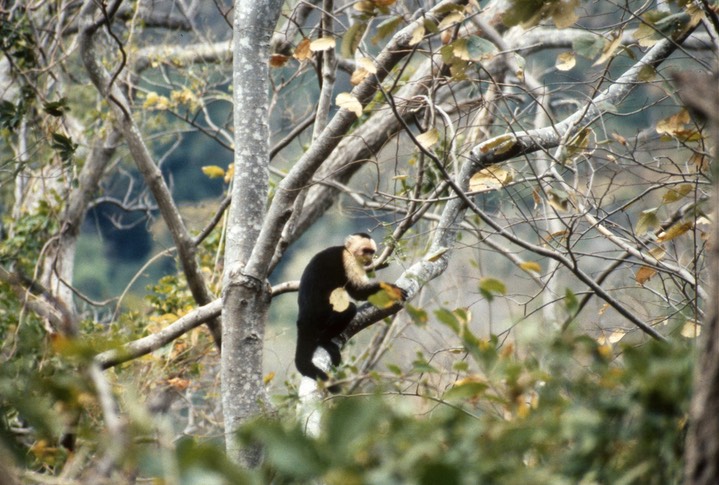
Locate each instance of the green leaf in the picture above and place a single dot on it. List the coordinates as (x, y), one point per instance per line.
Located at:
(418, 315)
(474, 48)
(589, 45)
(648, 220)
(56, 108)
(677, 193)
(570, 301)
(385, 29)
(63, 145)
(491, 286)
(352, 38)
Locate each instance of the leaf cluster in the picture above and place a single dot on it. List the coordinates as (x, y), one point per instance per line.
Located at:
(572, 412)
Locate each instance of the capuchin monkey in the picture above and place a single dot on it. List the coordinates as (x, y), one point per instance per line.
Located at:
(325, 311)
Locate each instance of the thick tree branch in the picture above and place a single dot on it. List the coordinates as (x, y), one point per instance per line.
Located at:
(152, 175)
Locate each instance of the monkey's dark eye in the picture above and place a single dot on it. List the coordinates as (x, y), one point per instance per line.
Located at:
(368, 251)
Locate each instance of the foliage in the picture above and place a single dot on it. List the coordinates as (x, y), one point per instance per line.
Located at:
(600, 226)
(570, 411)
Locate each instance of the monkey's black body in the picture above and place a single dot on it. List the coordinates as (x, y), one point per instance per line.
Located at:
(318, 323)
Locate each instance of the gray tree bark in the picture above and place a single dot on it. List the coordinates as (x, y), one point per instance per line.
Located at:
(246, 297)
(700, 92)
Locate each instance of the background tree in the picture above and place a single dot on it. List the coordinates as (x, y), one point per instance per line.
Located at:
(536, 184)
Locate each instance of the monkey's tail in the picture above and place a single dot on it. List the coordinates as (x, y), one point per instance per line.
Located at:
(303, 359)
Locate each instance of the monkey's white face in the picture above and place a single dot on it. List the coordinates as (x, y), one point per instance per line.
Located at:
(362, 249)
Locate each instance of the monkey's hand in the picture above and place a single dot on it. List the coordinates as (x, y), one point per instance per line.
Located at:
(394, 292)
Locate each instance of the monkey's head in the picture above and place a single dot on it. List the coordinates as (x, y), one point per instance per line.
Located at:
(362, 247)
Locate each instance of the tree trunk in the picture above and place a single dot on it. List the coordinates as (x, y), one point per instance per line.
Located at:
(700, 92)
(246, 298)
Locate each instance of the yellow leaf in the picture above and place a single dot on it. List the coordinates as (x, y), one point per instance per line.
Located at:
(428, 138)
(619, 138)
(268, 378)
(499, 144)
(358, 75)
(417, 35)
(691, 329)
(675, 231)
(563, 14)
(531, 266)
(566, 61)
(213, 171)
(367, 64)
(178, 383)
(322, 44)
(339, 299)
(490, 178)
(453, 18)
(678, 193)
(616, 336)
(674, 123)
(387, 297)
(155, 101)
(302, 51)
(364, 6)
(349, 102)
(609, 49)
(230, 173)
(432, 257)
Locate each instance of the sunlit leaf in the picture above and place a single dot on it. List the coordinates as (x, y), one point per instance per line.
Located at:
(434, 256)
(674, 123)
(531, 266)
(302, 51)
(500, 144)
(566, 61)
(691, 329)
(675, 231)
(358, 75)
(213, 171)
(490, 178)
(339, 299)
(449, 20)
(322, 44)
(367, 64)
(230, 173)
(616, 336)
(610, 48)
(417, 35)
(156, 101)
(429, 138)
(349, 102)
